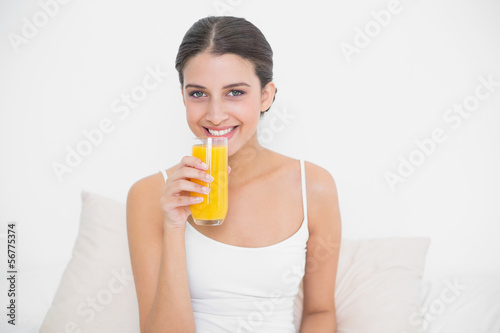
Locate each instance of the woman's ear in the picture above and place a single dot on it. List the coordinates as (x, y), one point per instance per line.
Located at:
(183, 97)
(268, 94)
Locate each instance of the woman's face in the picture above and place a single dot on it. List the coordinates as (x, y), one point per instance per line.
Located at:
(223, 97)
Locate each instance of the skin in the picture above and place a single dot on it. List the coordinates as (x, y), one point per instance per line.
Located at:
(157, 212)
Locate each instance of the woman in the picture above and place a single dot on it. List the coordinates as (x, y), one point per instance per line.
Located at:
(242, 276)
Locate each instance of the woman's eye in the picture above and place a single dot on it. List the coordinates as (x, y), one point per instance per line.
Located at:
(197, 94)
(235, 93)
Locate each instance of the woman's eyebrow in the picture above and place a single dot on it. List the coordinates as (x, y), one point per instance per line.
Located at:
(197, 86)
(232, 85)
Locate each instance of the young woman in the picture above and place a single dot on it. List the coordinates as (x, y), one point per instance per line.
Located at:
(283, 222)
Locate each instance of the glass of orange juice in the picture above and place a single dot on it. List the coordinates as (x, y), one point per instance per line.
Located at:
(213, 209)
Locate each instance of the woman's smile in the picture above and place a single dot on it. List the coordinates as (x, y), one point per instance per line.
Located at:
(226, 131)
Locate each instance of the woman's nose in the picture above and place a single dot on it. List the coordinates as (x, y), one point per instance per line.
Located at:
(216, 112)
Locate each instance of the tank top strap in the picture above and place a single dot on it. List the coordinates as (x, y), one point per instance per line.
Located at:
(164, 173)
(304, 194)
(303, 181)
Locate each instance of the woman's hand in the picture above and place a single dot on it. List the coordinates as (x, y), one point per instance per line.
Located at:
(176, 197)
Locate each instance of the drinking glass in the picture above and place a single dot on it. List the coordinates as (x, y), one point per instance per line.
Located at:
(213, 209)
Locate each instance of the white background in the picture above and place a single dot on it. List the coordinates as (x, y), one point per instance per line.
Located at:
(355, 116)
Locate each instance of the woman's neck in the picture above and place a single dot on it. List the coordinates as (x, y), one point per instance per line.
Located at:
(246, 163)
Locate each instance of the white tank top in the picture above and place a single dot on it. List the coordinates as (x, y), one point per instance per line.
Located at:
(241, 289)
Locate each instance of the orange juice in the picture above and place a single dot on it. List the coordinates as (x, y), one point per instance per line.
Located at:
(213, 209)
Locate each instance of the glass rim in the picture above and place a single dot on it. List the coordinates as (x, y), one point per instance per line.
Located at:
(210, 138)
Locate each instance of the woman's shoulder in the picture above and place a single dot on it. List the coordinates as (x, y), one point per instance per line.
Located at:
(320, 184)
(322, 197)
(147, 190)
(318, 178)
(152, 181)
(321, 188)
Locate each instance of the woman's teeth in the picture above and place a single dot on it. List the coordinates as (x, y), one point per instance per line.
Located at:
(220, 133)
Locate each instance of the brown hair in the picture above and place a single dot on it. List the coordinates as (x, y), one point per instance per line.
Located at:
(219, 35)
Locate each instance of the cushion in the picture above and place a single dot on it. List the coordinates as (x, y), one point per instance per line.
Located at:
(378, 280)
(96, 292)
(378, 285)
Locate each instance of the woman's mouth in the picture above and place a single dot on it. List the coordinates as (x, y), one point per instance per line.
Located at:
(227, 132)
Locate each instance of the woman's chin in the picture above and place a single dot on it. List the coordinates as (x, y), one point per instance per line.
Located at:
(231, 151)
(233, 148)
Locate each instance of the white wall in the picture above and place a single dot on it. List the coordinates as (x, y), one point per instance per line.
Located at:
(353, 115)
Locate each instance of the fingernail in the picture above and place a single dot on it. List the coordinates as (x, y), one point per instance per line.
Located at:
(204, 166)
(206, 190)
(210, 178)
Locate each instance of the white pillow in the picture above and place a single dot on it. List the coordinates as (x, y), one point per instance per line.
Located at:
(378, 280)
(378, 285)
(97, 292)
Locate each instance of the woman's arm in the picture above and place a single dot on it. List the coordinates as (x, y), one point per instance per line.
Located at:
(158, 259)
(323, 246)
